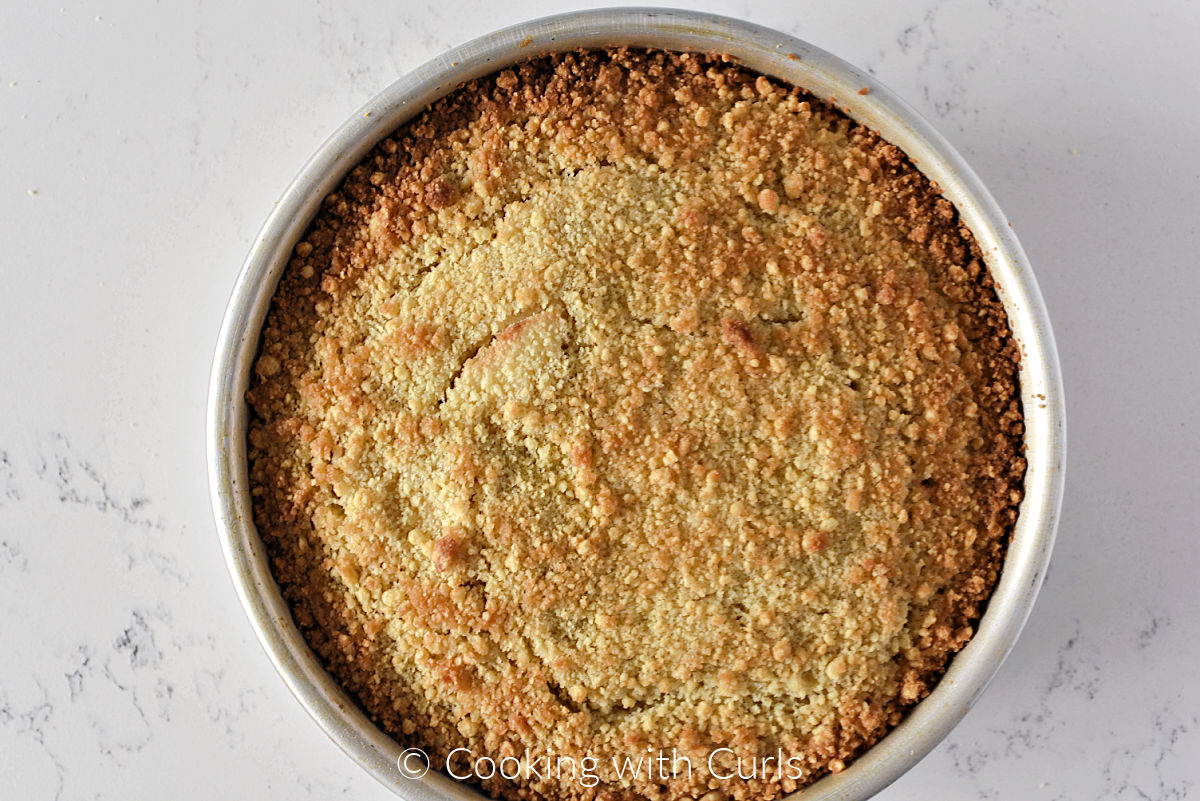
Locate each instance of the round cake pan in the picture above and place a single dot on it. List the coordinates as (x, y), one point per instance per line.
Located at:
(766, 51)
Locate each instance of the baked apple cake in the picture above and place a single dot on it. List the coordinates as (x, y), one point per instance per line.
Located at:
(631, 405)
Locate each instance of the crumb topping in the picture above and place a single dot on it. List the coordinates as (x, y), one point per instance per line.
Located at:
(632, 400)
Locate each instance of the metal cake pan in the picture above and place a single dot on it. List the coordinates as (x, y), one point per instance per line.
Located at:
(765, 51)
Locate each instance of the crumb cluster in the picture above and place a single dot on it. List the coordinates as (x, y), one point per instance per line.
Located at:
(632, 400)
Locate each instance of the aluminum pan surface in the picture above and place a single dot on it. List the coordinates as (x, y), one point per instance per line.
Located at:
(760, 49)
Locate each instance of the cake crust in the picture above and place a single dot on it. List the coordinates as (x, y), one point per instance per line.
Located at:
(630, 402)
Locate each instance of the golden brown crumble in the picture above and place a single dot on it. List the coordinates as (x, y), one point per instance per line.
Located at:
(628, 401)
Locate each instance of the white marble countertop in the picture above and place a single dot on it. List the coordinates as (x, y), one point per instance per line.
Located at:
(143, 145)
